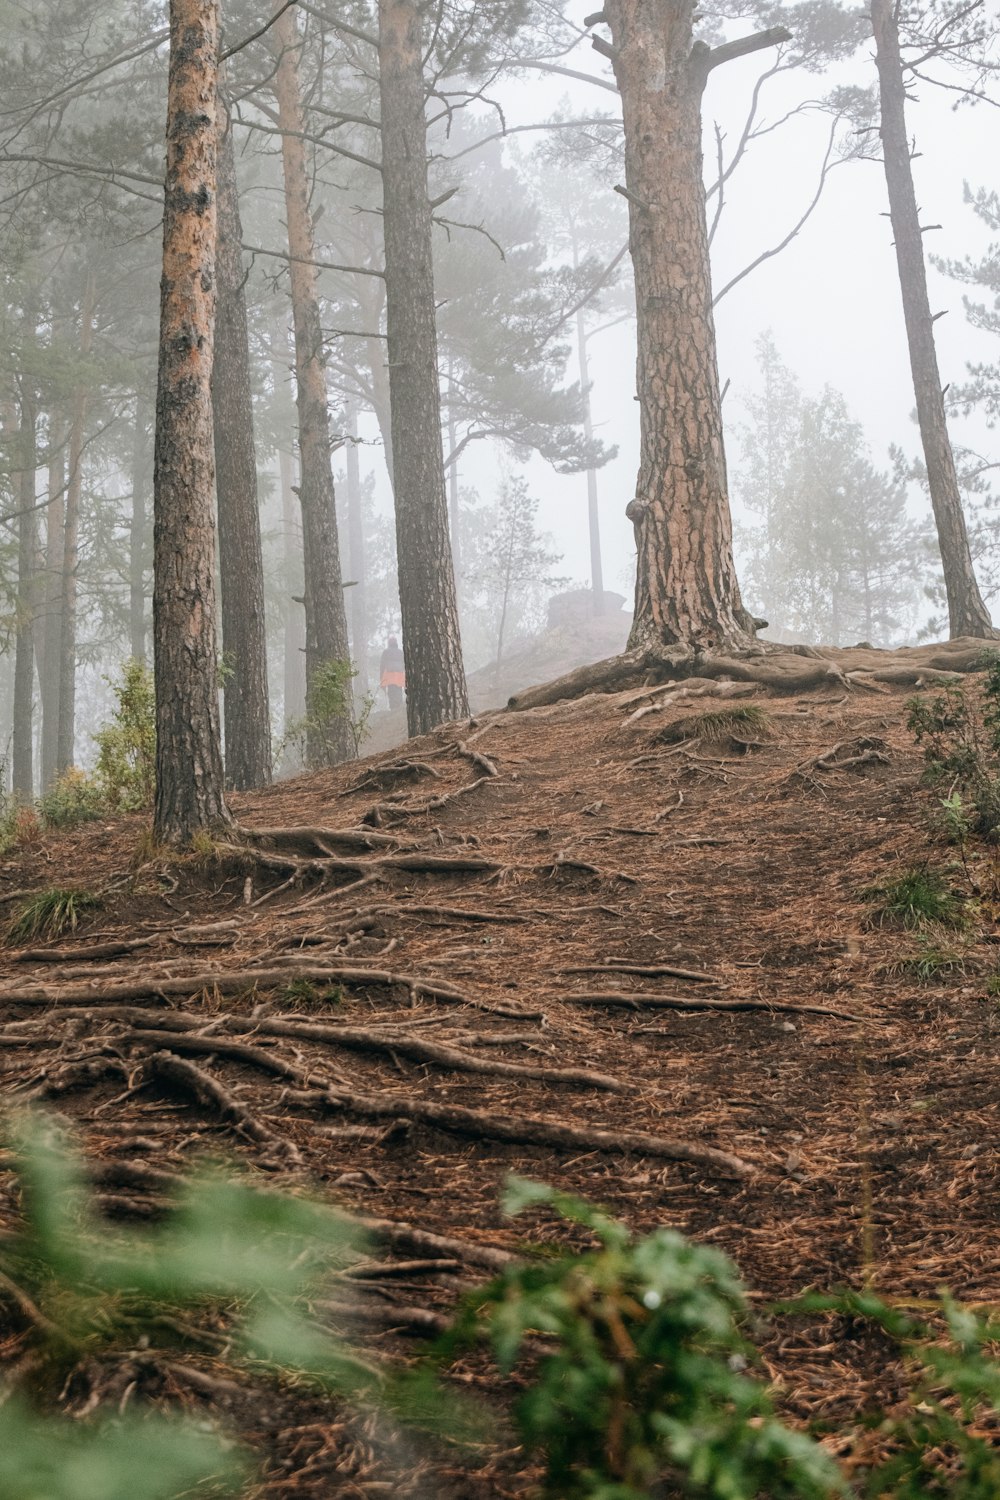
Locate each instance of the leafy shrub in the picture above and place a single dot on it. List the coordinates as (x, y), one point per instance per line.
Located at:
(645, 1374)
(330, 697)
(50, 913)
(79, 1291)
(72, 799)
(126, 758)
(960, 736)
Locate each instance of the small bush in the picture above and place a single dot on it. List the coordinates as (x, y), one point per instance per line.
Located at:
(19, 825)
(914, 898)
(74, 798)
(126, 758)
(961, 742)
(49, 914)
(644, 1374)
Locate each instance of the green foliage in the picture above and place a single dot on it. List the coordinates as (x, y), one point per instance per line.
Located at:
(914, 898)
(931, 960)
(250, 1260)
(960, 737)
(939, 1438)
(126, 758)
(50, 913)
(72, 799)
(644, 1376)
(330, 699)
(124, 1458)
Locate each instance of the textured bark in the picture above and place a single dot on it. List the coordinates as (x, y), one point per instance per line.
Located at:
(435, 676)
(137, 537)
(247, 714)
(295, 629)
(967, 614)
(71, 546)
(331, 741)
(686, 588)
(356, 553)
(593, 515)
(55, 526)
(22, 747)
(189, 782)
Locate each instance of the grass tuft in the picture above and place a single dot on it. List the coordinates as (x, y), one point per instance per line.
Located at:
(931, 961)
(50, 913)
(740, 721)
(914, 898)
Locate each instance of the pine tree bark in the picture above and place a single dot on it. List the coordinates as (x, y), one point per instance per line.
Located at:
(66, 745)
(55, 527)
(593, 513)
(329, 740)
(435, 675)
(247, 714)
(22, 746)
(356, 554)
(686, 587)
(189, 778)
(137, 538)
(295, 631)
(967, 613)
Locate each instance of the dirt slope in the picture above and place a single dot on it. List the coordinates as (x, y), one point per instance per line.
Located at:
(509, 860)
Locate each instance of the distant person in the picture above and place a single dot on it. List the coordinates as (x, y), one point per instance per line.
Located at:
(392, 674)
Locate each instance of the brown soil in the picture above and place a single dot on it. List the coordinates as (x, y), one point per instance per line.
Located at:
(868, 1132)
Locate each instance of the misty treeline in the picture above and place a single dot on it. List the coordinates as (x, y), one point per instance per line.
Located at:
(361, 262)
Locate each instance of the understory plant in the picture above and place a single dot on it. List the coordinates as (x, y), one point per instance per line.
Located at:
(242, 1264)
(331, 697)
(959, 732)
(50, 913)
(643, 1371)
(917, 896)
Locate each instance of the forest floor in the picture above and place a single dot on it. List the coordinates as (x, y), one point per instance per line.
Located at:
(470, 897)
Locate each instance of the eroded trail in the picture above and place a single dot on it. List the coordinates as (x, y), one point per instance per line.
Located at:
(600, 943)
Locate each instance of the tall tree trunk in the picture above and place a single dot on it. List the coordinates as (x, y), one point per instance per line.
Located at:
(137, 537)
(435, 675)
(247, 714)
(22, 749)
(55, 528)
(356, 553)
(686, 588)
(295, 630)
(967, 613)
(66, 746)
(189, 779)
(329, 739)
(593, 515)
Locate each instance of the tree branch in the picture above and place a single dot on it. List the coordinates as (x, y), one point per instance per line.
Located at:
(743, 46)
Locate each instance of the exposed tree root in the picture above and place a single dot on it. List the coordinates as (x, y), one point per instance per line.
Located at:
(82, 955)
(240, 981)
(402, 1235)
(649, 971)
(217, 1046)
(387, 1316)
(480, 761)
(779, 668)
(392, 770)
(640, 1001)
(416, 1048)
(186, 1078)
(525, 1130)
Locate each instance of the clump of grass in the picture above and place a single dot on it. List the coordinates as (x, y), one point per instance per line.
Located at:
(931, 960)
(740, 722)
(304, 992)
(916, 897)
(50, 913)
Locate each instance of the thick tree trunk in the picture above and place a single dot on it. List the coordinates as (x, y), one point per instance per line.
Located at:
(189, 780)
(686, 588)
(22, 748)
(246, 710)
(967, 614)
(435, 675)
(329, 738)
(55, 528)
(137, 537)
(66, 746)
(356, 554)
(593, 515)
